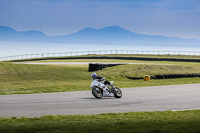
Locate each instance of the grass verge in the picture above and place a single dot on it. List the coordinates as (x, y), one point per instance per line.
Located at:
(134, 122)
(117, 55)
(28, 79)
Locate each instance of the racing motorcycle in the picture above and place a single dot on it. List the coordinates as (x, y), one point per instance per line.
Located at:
(99, 89)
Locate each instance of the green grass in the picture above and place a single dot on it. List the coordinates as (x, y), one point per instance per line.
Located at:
(134, 122)
(28, 79)
(23, 79)
(147, 56)
(115, 55)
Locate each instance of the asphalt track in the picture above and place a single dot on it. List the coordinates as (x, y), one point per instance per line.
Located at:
(159, 98)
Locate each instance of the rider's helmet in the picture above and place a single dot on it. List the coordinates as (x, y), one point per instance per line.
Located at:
(93, 75)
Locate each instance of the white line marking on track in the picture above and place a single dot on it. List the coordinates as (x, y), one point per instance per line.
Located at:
(186, 109)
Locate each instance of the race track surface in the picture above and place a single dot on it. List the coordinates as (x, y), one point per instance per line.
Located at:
(159, 98)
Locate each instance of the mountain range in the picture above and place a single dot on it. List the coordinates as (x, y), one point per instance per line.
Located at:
(107, 35)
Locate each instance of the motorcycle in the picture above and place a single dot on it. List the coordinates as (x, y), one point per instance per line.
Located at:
(99, 89)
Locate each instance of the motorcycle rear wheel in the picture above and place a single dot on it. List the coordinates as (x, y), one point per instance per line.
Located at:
(117, 93)
(97, 93)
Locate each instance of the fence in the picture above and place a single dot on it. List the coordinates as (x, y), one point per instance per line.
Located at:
(102, 52)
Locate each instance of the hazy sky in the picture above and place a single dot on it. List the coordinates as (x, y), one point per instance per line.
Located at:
(179, 18)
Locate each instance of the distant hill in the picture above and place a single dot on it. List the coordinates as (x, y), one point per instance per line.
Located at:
(9, 34)
(108, 35)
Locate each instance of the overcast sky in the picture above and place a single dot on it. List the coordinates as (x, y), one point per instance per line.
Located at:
(180, 18)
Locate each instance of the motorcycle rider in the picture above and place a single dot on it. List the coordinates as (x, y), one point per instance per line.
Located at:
(100, 78)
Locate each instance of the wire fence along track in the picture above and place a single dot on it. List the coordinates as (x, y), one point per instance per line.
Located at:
(102, 52)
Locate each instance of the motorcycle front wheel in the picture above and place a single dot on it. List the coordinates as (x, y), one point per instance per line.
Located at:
(117, 93)
(97, 93)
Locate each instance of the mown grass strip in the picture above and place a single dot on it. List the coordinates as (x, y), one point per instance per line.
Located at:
(161, 56)
(134, 122)
(28, 79)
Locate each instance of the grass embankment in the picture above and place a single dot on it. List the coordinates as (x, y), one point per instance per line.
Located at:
(24, 78)
(161, 55)
(143, 122)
